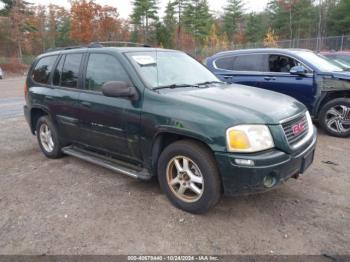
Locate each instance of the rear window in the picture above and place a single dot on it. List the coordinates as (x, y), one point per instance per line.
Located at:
(251, 62)
(43, 68)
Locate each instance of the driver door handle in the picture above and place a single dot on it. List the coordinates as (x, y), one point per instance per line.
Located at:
(85, 104)
(268, 78)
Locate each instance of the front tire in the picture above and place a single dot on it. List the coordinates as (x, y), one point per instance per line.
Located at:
(334, 117)
(48, 138)
(189, 177)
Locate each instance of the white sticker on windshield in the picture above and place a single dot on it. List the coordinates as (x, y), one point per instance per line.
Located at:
(144, 60)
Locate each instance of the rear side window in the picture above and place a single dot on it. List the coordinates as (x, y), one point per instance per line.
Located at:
(58, 72)
(252, 62)
(103, 68)
(225, 63)
(43, 68)
(67, 71)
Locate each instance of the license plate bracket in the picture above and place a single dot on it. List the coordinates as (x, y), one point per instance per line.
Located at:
(307, 161)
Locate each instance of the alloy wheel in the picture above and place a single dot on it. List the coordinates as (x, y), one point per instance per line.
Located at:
(338, 119)
(185, 179)
(46, 138)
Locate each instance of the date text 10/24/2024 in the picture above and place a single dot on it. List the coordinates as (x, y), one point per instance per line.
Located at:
(173, 258)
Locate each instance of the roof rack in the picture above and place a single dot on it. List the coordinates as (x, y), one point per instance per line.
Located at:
(97, 45)
(123, 43)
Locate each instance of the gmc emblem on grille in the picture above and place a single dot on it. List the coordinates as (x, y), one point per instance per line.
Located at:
(298, 128)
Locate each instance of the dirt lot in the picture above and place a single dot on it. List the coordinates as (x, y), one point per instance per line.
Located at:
(68, 206)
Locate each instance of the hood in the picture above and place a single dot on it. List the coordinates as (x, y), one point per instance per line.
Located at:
(341, 75)
(241, 104)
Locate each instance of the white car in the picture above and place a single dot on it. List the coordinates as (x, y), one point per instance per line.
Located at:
(1, 74)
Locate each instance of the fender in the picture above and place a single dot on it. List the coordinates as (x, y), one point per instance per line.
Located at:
(183, 132)
(157, 141)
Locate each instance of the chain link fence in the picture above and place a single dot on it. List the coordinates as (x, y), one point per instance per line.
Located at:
(332, 43)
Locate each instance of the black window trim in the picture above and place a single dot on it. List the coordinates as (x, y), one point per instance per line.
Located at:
(262, 72)
(243, 71)
(78, 88)
(289, 56)
(48, 84)
(98, 92)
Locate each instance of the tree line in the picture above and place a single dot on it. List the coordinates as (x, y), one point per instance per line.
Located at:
(186, 24)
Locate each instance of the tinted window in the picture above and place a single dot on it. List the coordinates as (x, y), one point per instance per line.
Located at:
(42, 70)
(249, 63)
(103, 68)
(58, 72)
(70, 71)
(225, 63)
(280, 63)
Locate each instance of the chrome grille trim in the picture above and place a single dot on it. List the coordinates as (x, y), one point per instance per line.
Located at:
(300, 139)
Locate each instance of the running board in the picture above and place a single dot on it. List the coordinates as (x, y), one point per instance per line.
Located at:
(103, 161)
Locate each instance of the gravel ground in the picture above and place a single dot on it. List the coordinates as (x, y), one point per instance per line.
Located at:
(67, 206)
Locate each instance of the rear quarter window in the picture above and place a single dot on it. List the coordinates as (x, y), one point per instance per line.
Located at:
(250, 62)
(42, 70)
(225, 63)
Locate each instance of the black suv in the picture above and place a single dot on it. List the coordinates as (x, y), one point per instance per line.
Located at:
(149, 112)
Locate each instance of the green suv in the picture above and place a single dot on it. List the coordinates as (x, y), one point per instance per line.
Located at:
(147, 112)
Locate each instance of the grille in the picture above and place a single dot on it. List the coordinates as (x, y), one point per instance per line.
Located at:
(292, 137)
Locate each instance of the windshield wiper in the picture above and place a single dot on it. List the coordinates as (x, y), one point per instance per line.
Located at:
(175, 86)
(211, 82)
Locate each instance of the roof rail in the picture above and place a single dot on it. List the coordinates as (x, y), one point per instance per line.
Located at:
(63, 48)
(123, 43)
(96, 45)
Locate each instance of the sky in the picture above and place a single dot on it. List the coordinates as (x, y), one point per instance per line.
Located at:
(125, 7)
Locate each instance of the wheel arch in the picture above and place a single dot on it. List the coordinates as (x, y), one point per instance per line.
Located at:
(35, 114)
(329, 96)
(165, 137)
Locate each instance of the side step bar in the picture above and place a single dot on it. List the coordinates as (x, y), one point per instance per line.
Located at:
(103, 161)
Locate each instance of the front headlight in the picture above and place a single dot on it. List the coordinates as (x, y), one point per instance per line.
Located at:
(249, 138)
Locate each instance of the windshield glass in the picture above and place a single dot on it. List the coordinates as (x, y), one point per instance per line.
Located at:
(166, 68)
(343, 60)
(322, 63)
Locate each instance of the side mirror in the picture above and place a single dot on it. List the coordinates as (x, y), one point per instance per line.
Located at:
(298, 70)
(118, 89)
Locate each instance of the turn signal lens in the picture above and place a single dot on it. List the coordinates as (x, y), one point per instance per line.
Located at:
(249, 138)
(238, 140)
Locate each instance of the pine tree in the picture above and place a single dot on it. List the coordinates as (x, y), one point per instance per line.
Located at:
(339, 18)
(197, 19)
(292, 19)
(232, 18)
(143, 14)
(256, 27)
(170, 22)
(179, 9)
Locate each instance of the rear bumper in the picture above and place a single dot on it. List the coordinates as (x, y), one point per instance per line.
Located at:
(275, 164)
(27, 117)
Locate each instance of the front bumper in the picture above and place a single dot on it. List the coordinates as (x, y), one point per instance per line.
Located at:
(276, 164)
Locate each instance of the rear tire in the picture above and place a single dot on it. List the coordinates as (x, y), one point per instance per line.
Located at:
(48, 138)
(189, 177)
(334, 117)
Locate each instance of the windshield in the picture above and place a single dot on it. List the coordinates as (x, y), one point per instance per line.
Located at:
(167, 68)
(320, 62)
(343, 60)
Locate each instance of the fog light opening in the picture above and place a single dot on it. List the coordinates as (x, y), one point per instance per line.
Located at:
(270, 181)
